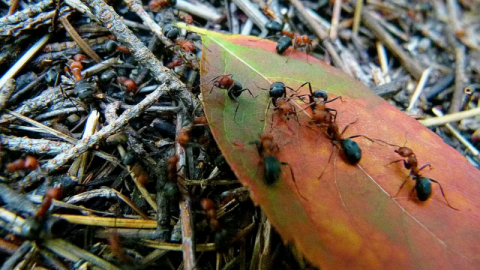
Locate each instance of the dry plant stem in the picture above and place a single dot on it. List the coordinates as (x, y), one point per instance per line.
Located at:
(457, 134)
(337, 5)
(8, 247)
(459, 79)
(409, 64)
(136, 6)
(42, 126)
(27, 88)
(56, 113)
(80, 42)
(176, 247)
(418, 90)
(83, 145)
(186, 214)
(253, 13)
(22, 15)
(153, 257)
(139, 185)
(382, 56)
(23, 60)
(131, 204)
(454, 117)
(60, 246)
(100, 67)
(199, 10)
(356, 16)
(110, 222)
(82, 8)
(33, 146)
(207, 182)
(17, 256)
(129, 233)
(16, 201)
(52, 261)
(13, 6)
(6, 92)
(114, 23)
(321, 34)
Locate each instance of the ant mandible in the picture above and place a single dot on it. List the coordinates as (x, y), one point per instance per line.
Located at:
(423, 185)
(268, 150)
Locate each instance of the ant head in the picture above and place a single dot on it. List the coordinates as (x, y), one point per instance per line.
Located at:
(404, 151)
(320, 94)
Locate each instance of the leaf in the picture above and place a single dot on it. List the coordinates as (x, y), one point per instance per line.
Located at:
(350, 218)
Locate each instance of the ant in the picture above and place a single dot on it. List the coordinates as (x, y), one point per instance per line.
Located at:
(423, 186)
(234, 88)
(288, 38)
(129, 84)
(29, 163)
(351, 150)
(317, 101)
(76, 66)
(53, 193)
(186, 45)
(208, 205)
(272, 167)
(285, 108)
(159, 5)
(187, 18)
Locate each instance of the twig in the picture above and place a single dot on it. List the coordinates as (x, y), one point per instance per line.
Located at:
(439, 86)
(176, 247)
(420, 86)
(110, 222)
(200, 10)
(459, 79)
(454, 117)
(33, 146)
(17, 256)
(382, 57)
(6, 92)
(38, 81)
(61, 247)
(356, 16)
(253, 13)
(337, 5)
(102, 66)
(13, 6)
(110, 18)
(321, 34)
(410, 65)
(136, 6)
(80, 42)
(83, 145)
(32, 10)
(24, 59)
(457, 134)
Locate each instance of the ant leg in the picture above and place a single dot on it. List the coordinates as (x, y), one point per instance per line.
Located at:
(246, 89)
(333, 99)
(293, 178)
(443, 194)
(329, 159)
(395, 161)
(235, 115)
(308, 106)
(401, 186)
(424, 166)
(309, 87)
(345, 128)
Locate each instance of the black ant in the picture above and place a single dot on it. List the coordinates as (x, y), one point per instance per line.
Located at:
(272, 167)
(351, 150)
(423, 186)
(234, 88)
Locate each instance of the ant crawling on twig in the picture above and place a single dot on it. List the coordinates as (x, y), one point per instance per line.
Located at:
(272, 167)
(234, 88)
(351, 150)
(318, 99)
(423, 186)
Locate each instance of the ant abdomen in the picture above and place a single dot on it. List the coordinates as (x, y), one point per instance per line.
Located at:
(423, 187)
(352, 151)
(272, 169)
(283, 44)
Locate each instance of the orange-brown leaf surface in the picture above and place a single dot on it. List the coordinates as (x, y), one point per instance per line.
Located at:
(350, 218)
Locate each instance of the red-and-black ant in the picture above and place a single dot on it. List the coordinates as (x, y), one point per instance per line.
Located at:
(423, 186)
(272, 166)
(159, 5)
(288, 38)
(317, 100)
(351, 150)
(29, 163)
(234, 88)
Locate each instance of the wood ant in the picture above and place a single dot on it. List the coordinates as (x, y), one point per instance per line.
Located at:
(129, 84)
(186, 45)
(208, 205)
(285, 108)
(272, 167)
(75, 67)
(159, 5)
(187, 18)
(317, 101)
(351, 150)
(29, 163)
(53, 193)
(234, 88)
(423, 186)
(171, 31)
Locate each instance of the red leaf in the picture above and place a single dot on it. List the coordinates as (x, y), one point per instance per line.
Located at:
(349, 220)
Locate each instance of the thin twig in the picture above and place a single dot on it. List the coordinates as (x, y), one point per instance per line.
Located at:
(420, 86)
(80, 42)
(6, 92)
(458, 92)
(110, 222)
(453, 117)
(357, 16)
(337, 5)
(410, 65)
